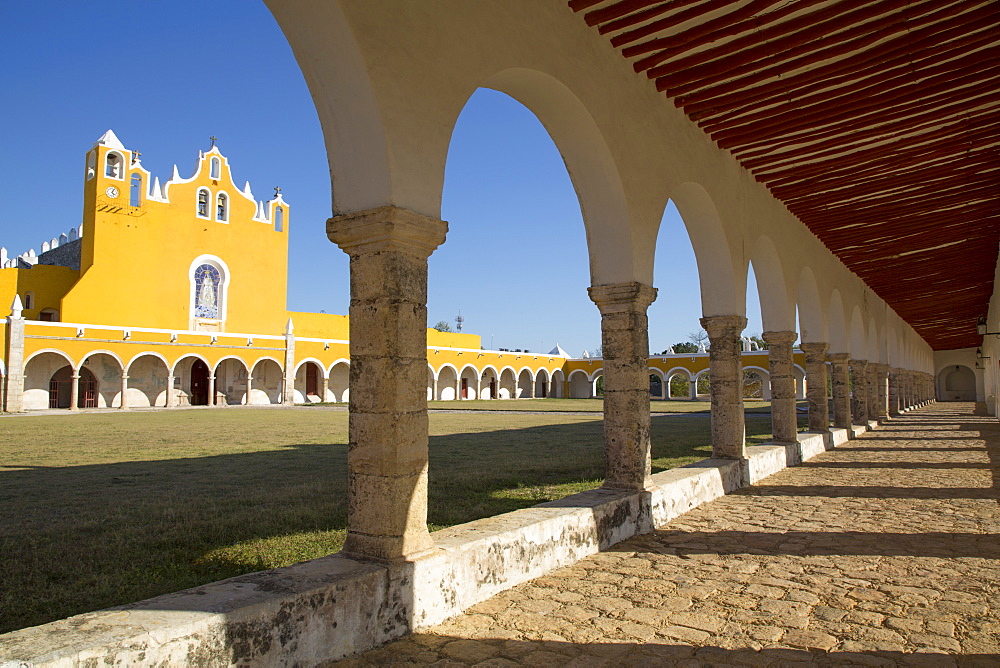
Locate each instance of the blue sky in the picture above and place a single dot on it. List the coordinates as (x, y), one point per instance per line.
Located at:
(515, 262)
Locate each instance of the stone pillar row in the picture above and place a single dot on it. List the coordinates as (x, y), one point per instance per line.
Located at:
(840, 377)
(625, 343)
(859, 391)
(784, 418)
(726, 369)
(816, 379)
(388, 429)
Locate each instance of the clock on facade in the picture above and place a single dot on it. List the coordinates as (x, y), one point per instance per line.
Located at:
(112, 192)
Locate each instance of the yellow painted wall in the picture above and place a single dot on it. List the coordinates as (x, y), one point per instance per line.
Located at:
(136, 260)
(47, 284)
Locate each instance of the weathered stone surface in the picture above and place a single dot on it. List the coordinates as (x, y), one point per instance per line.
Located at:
(726, 370)
(840, 384)
(625, 342)
(816, 382)
(784, 419)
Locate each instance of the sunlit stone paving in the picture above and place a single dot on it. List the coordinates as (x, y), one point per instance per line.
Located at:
(885, 551)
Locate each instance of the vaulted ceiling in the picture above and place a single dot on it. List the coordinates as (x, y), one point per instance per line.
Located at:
(876, 122)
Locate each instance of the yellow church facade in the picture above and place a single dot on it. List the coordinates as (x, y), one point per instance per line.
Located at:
(198, 272)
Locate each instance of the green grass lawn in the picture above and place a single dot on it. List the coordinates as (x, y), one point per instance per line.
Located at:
(107, 508)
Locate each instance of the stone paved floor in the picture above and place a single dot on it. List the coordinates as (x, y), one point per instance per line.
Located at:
(883, 552)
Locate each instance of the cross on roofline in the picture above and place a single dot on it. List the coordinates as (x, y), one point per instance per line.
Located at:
(214, 139)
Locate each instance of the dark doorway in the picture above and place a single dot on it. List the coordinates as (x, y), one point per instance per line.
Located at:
(61, 389)
(312, 380)
(199, 383)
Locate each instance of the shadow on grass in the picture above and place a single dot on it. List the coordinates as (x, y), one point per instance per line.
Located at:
(76, 538)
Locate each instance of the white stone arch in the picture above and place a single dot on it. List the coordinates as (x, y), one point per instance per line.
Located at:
(580, 385)
(542, 378)
(431, 381)
(594, 375)
(558, 384)
(447, 382)
(777, 309)
(956, 382)
(658, 372)
(268, 379)
(697, 378)
(339, 381)
(592, 169)
(765, 375)
(181, 372)
(231, 373)
(873, 353)
(147, 386)
(677, 371)
(859, 344)
(489, 382)
(812, 312)
(525, 383)
(507, 383)
(840, 341)
(39, 368)
(468, 379)
(145, 353)
(309, 390)
(799, 374)
(722, 289)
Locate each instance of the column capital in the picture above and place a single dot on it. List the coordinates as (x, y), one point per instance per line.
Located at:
(387, 228)
(838, 358)
(815, 350)
(622, 297)
(881, 368)
(779, 338)
(858, 363)
(722, 325)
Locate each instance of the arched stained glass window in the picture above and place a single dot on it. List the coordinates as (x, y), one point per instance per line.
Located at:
(207, 287)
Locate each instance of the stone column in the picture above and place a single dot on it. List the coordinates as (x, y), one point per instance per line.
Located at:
(840, 383)
(859, 387)
(325, 386)
(872, 390)
(211, 389)
(893, 392)
(170, 399)
(693, 390)
(387, 453)
(784, 419)
(816, 381)
(881, 391)
(288, 380)
(74, 391)
(14, 380)
(246, 400)
(726, 371)
(625, 341)
(124, 402)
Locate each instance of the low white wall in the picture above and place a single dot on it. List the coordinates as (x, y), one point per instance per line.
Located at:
(332, 607)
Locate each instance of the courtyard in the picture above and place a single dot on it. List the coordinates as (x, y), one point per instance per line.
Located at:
(106, 508)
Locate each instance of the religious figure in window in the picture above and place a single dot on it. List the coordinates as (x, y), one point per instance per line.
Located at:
(207, 281)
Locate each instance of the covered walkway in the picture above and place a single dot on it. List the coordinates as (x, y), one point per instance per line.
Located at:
(885, 551)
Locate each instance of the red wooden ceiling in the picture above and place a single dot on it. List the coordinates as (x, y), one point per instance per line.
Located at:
(876, 122)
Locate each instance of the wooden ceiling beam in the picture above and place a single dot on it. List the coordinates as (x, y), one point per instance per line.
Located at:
(912, 96)
(759, 44)
(896, 132)
(751, 16)
(929, 107)
(864, 93)
(644, 15)
(824, 76)
(875, 41)
(671, 21)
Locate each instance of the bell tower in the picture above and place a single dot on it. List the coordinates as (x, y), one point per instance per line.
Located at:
(106, 188)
